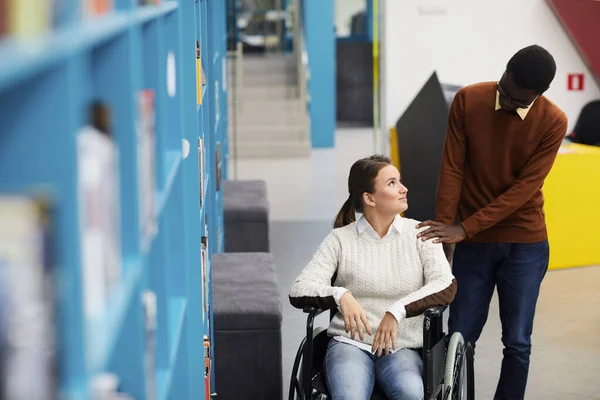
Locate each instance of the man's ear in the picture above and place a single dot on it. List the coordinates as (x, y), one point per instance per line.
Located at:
(368, 199)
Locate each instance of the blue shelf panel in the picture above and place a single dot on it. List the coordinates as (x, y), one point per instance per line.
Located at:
(203, 97)
(217, 121)
(24, 58)
(177, 322)
(103, 331)
(148, 12)
(163, 382)
(172, 165)
(177, 314)
(110, 58)
(206, 187)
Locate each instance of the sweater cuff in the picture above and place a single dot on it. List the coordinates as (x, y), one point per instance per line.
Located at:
(338, 292)
(470, 226)
(398, 311)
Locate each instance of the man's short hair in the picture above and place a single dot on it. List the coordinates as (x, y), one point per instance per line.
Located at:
(532, 68)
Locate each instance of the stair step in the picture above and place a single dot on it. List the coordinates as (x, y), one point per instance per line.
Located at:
(274, 92)
(263, 118)
(269, 78)
(271, 132)
(274, 62)
(270, 149)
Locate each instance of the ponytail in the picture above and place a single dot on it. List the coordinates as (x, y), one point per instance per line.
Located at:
(346, 215)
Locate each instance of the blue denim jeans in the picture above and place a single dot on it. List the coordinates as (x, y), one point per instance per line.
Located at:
(352, 373)
(517, 271)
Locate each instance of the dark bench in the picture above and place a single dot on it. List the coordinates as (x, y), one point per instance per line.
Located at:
(245, 216)
(247, 327)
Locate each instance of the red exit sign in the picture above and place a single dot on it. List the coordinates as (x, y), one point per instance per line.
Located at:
(575, 82)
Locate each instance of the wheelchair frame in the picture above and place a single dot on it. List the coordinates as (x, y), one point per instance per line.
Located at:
(433, 355)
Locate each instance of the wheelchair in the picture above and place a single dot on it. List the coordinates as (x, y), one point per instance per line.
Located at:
(448, 371)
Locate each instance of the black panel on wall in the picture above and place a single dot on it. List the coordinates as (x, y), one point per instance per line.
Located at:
(355, 82)
(421, 135)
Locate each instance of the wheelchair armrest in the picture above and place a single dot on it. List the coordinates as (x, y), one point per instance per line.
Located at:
(433, 326)
(435, 311)
(433, 350)
(307, 357)
(312, 310)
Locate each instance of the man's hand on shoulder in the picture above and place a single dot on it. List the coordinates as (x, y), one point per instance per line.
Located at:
(441, 233)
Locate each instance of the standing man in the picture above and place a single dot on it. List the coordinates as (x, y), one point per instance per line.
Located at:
(501, 142)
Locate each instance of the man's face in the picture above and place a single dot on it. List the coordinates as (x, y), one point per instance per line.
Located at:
(512, 96)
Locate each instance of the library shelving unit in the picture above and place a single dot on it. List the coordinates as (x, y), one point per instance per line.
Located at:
(48, 83)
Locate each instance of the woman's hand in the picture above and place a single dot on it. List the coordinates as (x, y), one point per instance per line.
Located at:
(354, 316)
(385, 337)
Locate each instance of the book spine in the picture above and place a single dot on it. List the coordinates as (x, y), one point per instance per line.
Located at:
(28, 17)
(3, 17)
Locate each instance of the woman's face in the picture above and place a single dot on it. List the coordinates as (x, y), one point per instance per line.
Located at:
(390, 196)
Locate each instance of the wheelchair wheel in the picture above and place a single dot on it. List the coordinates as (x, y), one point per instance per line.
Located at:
(295, 380)
(458, 377)
(470, 370)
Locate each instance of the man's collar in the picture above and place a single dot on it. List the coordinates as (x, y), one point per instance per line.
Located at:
(521, 111)
(362, 224)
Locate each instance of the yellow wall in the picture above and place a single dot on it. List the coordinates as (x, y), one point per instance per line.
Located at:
(572, 193)
(394, 148)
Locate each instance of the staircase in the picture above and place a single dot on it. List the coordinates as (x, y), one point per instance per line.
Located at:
(269, 120)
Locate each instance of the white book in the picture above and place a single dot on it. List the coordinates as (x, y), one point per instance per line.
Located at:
(146, 149)
(27, 328)
(100, 217)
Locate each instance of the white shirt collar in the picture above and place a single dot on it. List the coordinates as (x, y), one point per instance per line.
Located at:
(362, 224)
(521, 111)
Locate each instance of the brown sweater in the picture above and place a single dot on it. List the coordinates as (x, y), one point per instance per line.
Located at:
(494, 165)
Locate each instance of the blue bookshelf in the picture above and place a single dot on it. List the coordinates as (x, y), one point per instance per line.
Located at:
(46, 85)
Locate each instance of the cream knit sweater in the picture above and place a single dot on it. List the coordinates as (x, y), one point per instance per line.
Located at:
(398, 272)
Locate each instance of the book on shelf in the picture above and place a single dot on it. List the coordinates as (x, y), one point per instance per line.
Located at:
(204, 276)
(201, 169)
(207, 365)
(27, 17)
(200, 74)
(146, 149)
(97, 7)
(218, 166)
(99, 209)
(28, 356)
(149, 308)
(3, 17)
(105, 386)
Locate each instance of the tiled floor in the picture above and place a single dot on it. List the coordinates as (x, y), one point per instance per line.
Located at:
(305, 195)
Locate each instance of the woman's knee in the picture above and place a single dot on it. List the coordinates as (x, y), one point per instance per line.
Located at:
(401, 375)
(408, 388)
(349, 372)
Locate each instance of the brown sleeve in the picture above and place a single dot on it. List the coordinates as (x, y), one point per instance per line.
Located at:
(453, 158)
(530, 180)
(441, 298)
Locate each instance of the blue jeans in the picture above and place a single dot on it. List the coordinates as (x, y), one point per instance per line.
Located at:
(517, 271)
(351, 373)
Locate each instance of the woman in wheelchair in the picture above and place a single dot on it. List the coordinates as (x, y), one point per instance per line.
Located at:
(384, 279)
